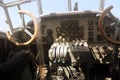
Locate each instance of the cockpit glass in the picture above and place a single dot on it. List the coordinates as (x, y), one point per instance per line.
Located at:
(51, 6)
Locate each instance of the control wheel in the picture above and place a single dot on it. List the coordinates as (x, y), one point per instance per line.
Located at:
(25, 32)
(109, 26)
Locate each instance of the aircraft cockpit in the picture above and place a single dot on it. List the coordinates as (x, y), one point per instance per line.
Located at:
(70, 45)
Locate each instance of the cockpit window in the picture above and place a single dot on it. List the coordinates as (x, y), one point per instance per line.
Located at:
(50, 6)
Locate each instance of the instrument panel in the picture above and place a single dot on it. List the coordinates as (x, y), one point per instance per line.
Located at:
(74, 28)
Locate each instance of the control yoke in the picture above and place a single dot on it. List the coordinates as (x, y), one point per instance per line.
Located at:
(115, 38)
(23, 27)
